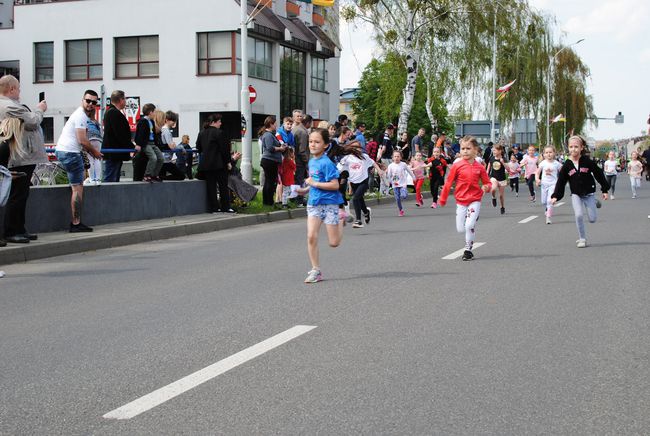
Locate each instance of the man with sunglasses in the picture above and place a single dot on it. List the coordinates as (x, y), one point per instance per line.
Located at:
(74, 139)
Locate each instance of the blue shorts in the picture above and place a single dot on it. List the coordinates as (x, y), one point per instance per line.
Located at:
(327, 213)
(73, 164)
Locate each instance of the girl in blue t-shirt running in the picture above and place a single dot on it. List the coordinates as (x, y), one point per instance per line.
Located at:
(324, 200)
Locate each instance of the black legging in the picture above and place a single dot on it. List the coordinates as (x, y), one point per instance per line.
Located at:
(514, 184)
(343, 186)
(17, 202)
(358, 200)
(611, 179)
(436, 183)
(270, 168)
(213, 179)
(531, 185)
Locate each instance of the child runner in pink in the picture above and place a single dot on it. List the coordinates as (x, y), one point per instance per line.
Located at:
(546, 177)
(417, 166)
(529, 162)
(466, 174)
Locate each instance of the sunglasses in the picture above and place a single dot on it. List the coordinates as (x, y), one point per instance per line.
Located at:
(89, 101)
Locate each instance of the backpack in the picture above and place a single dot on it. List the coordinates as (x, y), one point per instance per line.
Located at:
(5, 185)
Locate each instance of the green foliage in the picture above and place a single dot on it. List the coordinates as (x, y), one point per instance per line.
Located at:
(380, 95)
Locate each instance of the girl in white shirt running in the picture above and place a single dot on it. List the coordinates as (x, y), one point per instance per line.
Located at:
(358, 178)
(610, 168)
(396, 174)
(546, 176)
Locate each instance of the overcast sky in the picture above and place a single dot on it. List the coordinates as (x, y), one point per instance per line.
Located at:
(616, 49)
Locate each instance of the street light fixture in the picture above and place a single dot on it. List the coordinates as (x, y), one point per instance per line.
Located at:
(548, 89)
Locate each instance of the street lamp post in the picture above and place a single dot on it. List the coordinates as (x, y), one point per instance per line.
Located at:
(246, 139)
(494, 71)
(548, 89)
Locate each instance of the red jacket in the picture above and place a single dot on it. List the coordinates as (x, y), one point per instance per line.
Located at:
(287, 172)
(466, 175)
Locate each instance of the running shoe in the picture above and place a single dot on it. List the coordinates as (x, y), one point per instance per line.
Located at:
(401, 213)
(313, 276)
(598, 204)
(367, 216)
(434, 205)
(503, 210)
(494, 202)
(467, 255)
(633, 195)
(612, 197)
(417, 203)
(582, 243)
(548, 220)
(357, 225)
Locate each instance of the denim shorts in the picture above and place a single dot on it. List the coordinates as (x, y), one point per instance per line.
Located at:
(73, 164)
(327, 213)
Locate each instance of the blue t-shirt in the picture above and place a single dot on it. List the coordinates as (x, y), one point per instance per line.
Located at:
(322, 169)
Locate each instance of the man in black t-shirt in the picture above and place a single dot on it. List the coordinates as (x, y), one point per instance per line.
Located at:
(385, 153)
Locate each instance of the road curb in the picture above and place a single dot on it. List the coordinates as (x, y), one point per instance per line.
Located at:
(79, 243)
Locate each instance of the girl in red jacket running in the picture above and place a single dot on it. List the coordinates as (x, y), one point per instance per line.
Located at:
(466, 173)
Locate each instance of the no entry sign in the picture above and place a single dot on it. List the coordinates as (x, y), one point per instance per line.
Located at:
(252, 93)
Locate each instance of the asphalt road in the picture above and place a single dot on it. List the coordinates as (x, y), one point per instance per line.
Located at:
(534, 336)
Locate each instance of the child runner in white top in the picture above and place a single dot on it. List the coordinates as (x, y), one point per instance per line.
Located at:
(546, 176)
(358, 178)
(514, 170)
(634, 169)
(396, 173)
(610, 168)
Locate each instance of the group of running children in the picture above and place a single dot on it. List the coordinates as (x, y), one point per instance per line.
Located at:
(470, 177)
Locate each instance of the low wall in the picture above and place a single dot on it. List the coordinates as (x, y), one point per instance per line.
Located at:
(48, 207)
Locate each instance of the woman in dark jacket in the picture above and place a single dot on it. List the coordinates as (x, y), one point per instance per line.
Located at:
(271, 159)
(215, 163)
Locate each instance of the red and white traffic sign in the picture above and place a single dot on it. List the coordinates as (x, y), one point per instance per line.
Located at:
(252, 93)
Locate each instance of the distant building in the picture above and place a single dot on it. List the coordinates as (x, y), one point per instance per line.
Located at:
(347, 96)
(180, 55)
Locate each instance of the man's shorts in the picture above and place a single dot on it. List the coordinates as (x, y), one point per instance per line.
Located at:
(73, 164)
(327, 213)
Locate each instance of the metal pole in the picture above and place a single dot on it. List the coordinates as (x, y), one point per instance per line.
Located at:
(548, 99)
(246, 140)
(494, 71)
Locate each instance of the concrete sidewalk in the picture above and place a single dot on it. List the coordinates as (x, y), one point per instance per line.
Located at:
(116, 235)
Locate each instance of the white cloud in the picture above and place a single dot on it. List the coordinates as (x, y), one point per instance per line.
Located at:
(644, 56)
(623, 19)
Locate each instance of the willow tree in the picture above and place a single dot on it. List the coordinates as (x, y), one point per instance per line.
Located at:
(569, 96)
(449, 41)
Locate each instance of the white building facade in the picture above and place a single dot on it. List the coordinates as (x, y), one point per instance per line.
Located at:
(180, 55)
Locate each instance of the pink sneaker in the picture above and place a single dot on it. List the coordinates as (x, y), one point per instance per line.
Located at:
(434, 205)
(401, 213)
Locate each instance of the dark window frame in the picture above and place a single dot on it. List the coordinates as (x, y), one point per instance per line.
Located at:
(38, 66)
(321, 80)
(290, 96)
(232, 58)
(87, 64)
(138, 62)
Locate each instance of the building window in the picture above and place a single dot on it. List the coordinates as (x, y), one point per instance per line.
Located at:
(136, 57)
(83, 59)
(219, 53)
(260, 59)
(43, 62)
(48, 130)
(318, 74)
(292, 80)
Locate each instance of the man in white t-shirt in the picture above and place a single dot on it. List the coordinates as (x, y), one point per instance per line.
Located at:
(73, 140)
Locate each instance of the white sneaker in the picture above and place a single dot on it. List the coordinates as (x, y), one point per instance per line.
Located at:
(612, 197)
(2, 274)
(98, 182)
(88, 182)
(582, 243)
(548, 220)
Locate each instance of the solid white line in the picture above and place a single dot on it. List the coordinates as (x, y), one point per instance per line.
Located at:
(457, 254)
(559, 204)
(527, 220)
(159, 396)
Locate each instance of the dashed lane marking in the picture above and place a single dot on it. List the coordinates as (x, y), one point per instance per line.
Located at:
(458, 253)
(166, 393)
(527, 220)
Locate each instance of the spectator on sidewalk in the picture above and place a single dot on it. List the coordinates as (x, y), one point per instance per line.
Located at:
(73, 140)
(417, 142)
(271, 159)
(359, 135)
(11, 139)
(215, 163)
(284, 134)
(95, 169)
(117, 135)
(168, 146)
(32, 144)
(185, 158)
(145, 139)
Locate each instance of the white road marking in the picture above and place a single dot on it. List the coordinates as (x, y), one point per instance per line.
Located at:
(457, 254)
(559, 204)
(159, 396)
(527, 220)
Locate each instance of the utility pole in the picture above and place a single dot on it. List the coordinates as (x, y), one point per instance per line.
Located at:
(494, 71)
(247, 138)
